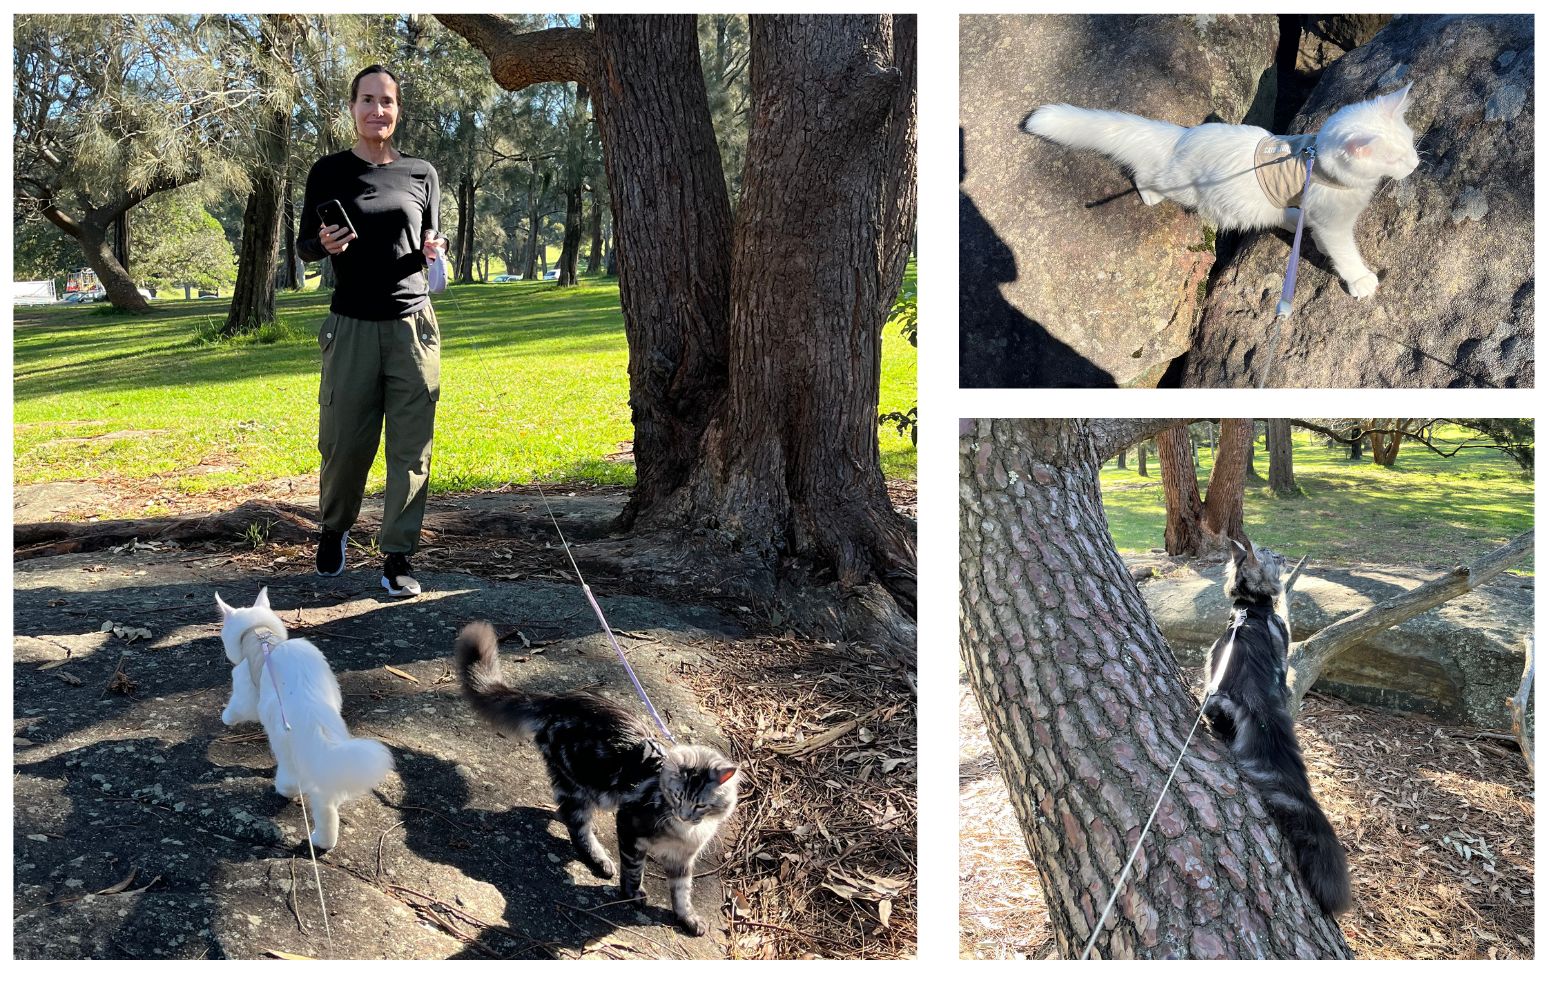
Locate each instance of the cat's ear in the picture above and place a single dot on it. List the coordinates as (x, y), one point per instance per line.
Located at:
(262, 599)
(1394, 104)
(722, 775)
(225, 609)
(1359, 146)
(1241, 553)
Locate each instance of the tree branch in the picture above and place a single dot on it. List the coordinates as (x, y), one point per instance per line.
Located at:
(1518, 707)
(518, 59)
(1413, 435)
(1309, 658)
(1110, 435)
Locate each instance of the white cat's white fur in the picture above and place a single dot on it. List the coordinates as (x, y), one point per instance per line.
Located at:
(316, 756)
(1210, 168)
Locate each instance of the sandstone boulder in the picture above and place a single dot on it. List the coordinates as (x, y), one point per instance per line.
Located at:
(1452, 243)
(1066, 278)
(1457, 662)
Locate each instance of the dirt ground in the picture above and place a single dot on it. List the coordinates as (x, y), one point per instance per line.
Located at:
(458, 854)
(1437, 821)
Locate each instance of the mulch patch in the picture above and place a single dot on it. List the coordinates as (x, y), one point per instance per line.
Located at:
(1437, 821)
(822, 858)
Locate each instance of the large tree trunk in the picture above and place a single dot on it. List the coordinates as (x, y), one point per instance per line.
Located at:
(754, 407)
(573, 234)
(92, 227)
(252, 297)
(1281, 482)
(1225, 491)
(1183, 530)
(1086, 711)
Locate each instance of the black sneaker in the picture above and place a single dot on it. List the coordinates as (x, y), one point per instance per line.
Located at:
(330, 553)
(398, 577)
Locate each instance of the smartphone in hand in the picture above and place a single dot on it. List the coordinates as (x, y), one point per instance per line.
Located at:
(332, 213)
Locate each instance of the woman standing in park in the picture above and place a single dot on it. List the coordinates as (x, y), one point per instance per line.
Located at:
(380, 343)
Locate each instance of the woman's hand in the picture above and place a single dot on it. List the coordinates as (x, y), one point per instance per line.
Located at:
(434, 243)
(335, 238)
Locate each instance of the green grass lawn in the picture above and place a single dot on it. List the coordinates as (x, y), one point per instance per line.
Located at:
(534, 383)
(1425, 509)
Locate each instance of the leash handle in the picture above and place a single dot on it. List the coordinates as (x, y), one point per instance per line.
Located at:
(601, 615)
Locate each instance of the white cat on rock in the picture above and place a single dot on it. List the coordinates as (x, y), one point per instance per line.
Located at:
(1243, 177)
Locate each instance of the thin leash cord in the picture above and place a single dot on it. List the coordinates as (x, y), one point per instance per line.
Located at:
(598, 613)
(1289, 285)
(1121, 880)
(316, 869)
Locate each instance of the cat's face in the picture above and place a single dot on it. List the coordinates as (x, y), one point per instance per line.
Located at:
(698, 789)
(1254, 571)
(1371, 139)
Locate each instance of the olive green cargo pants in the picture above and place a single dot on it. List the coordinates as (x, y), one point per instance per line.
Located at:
(375, 370)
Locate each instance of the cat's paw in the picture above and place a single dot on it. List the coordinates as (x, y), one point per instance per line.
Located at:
(693, 924)
(1363, 286)
(287, 789)
(636, 895)
(601, 867)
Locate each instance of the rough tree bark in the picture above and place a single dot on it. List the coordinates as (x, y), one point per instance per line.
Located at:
(1281, 482)
(1142, 458)
(1086, 710)
(1197, 527)
(756, 429)
(252, 298)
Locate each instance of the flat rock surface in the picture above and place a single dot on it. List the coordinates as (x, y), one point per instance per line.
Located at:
(1066, 278)
(462, 835)
(1452, 244)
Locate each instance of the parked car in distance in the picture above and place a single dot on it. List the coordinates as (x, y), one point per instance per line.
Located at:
(501, 278)
(550, 275)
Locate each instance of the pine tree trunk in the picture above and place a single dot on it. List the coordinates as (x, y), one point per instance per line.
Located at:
(96, 246)
(1120, 461)
(466, 229)
(595, 237)
(1142, 458)
(252, 299)
(1282, 483)
(291, 271)
(1183, 531)
(754, 406)
(1086, 711)
(573, 234)
(1225, 491)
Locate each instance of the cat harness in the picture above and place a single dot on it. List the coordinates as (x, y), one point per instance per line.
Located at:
(1281, 167)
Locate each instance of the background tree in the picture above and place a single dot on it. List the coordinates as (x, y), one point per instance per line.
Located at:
(104, 119)
(1281, 482)
(738, 482)
(1193, 526)
(1086, 709)
(181, 243)
(272, 43)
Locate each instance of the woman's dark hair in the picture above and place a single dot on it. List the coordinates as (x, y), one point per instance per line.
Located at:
(353, 89)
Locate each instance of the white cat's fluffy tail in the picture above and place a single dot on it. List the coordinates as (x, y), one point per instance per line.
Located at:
(1144, 145)
(336, 769)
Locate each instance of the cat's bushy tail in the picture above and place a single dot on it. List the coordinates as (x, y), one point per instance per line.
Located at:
(1142, 144)
(1269, 756)
(332, 768)
(477, 660)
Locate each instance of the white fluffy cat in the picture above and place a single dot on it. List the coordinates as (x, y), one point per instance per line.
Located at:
(1235, 177)
(316, 756)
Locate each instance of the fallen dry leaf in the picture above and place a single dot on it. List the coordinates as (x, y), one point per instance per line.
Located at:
(398, 672)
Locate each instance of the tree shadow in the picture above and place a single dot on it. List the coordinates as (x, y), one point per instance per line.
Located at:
(1001, 347)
